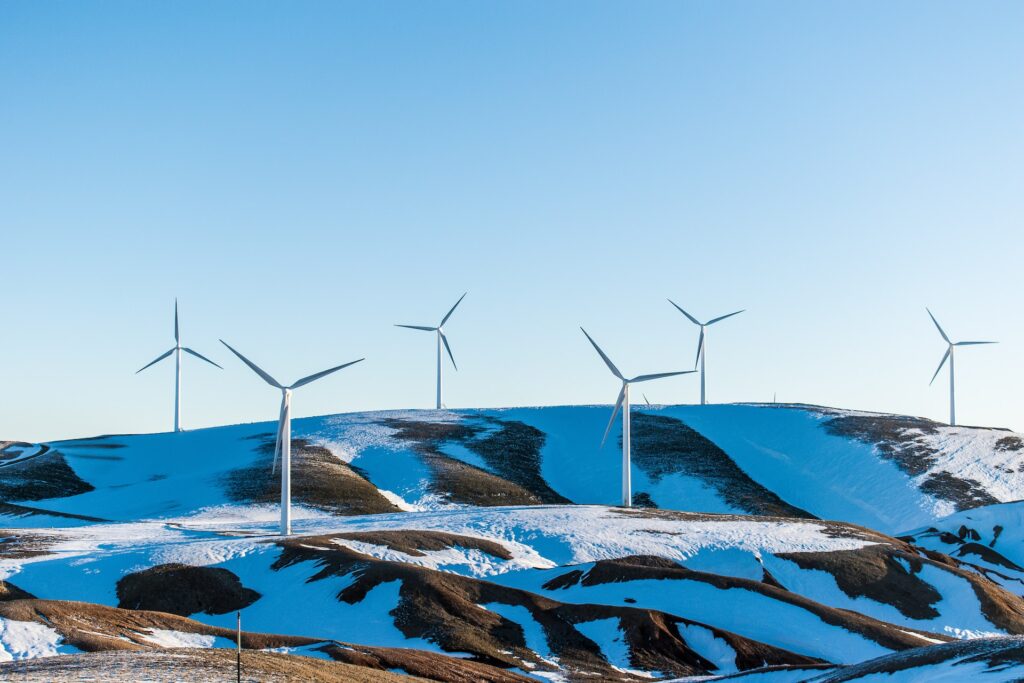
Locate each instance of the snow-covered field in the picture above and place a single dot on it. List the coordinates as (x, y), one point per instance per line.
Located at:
(557, 584)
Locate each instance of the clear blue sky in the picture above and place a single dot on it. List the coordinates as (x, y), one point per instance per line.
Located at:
(304, 175)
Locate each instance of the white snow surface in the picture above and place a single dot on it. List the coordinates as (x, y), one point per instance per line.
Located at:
(783, 448)
(28, 640)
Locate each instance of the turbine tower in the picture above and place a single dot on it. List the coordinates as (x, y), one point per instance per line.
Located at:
(176, 350)
(441, 341)
(950, 345)
(702, 343)
(283, 445)
(622, 402)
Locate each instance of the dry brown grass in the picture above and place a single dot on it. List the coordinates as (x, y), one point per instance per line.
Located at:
(194, 665)
(414, 542)
(446, 609)
(319, 479)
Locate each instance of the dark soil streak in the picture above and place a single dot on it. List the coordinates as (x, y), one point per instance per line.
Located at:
(319, 479)
(897, 439)
(444, 608)
(413, 542)
(644, 567)
(39, 478)
(663, 446)
(464, 483)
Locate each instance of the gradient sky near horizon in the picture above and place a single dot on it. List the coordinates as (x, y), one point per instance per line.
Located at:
(303, 175)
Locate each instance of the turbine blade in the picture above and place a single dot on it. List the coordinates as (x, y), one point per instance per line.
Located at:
(153, 362)
(618, 407)
(647, 378)
(312, 378)
(255, 368)
(448, 349)
(607, 361)
(645, 399)
(418, 327)
(723, 317)
(692, 319)
(200, 356)
(938, 326)
(700, 347)
(176, 337)
(974, 343)
(449, 314)
(941, 363)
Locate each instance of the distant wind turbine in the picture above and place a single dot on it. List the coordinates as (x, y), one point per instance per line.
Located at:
(949, 355)
(441, 340)
(702, 343)
(622, 402)
(283, 446)
(176, 350)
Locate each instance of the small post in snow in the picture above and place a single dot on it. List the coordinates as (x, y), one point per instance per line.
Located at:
(238, 657)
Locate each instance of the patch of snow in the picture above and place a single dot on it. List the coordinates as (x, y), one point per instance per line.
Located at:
(608, 635)
(168, 638)
(28, 640)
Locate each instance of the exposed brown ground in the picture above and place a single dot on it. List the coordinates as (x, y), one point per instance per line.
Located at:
(875, 572)
(458, 481)
(413, 542)
(896, 438)
(423, 664)
(664, 445)
(8, 591)
(509, 448)
(1005, 655)
(46, 476)
(319, 479)
(646, 567)
(195, 665)
(97, 628)
(513, 451)
(184, 590)
(445, 608)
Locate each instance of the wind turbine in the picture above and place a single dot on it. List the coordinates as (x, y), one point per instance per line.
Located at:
(622, 402)
(702, 342)
(949, 355)
(283, 446)
(176, 350)
(441, 340)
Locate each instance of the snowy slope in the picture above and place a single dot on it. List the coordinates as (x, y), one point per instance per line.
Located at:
(885, 472)
(485, 533)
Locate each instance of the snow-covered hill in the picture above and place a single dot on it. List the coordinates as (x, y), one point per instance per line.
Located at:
(486, 535)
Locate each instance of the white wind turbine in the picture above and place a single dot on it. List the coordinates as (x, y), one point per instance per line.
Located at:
(441, 340)
(949, 355)
(176, 350)
(283, 445)
(702, 342)
(622, 402)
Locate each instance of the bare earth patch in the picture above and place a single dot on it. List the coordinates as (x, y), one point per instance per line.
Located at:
(319, 479)
(663, 446)
(184, 590)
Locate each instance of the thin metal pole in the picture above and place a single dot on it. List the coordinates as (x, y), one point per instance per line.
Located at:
(238, 658)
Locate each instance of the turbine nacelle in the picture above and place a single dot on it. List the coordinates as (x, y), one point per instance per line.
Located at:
(950, 345)
(948, 356)
(282, 445)
(442, 340)
(177, 349)
(626, 382)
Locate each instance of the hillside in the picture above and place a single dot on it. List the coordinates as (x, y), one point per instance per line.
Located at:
(806, 538)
